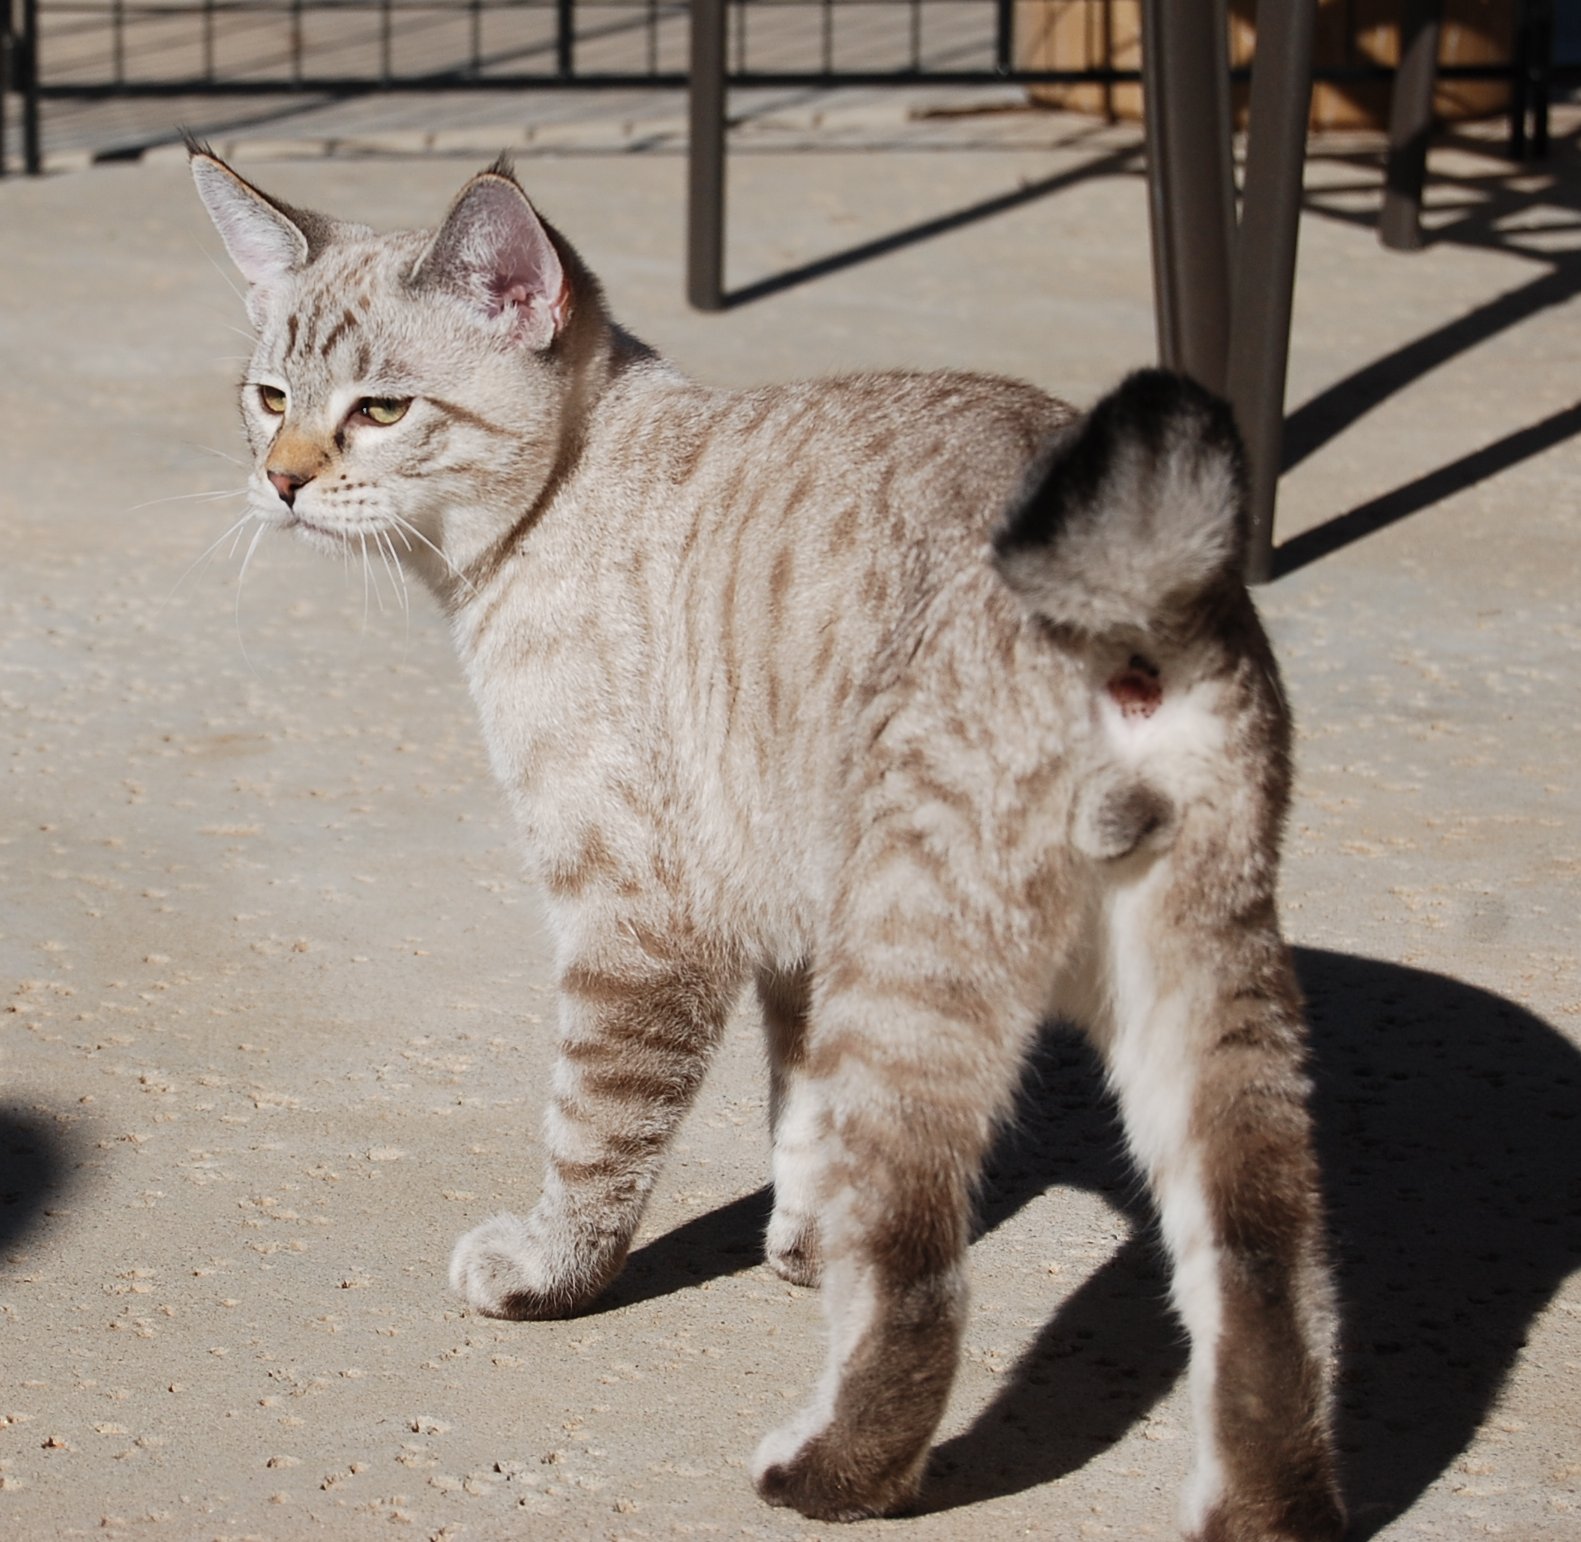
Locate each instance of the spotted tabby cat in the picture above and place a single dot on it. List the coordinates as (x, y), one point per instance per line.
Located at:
(928, 705)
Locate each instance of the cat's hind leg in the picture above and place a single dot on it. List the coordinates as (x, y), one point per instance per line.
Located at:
(916, 1039)
(639, 1018)
(1202, 1033)
(792, 1246)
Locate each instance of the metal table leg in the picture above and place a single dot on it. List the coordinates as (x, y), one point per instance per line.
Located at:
(705, 160)
(1191, 189)
(1223, 291)
(1265, 258)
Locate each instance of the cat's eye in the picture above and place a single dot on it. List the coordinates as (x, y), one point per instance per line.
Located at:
(273, 399)
(384, 410)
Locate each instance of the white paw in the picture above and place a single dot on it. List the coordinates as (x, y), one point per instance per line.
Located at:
(494, 1263)
(792, 1248)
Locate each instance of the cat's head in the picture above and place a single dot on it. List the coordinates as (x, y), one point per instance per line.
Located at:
(411, 390)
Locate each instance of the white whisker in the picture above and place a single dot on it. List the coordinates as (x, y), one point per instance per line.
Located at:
(241, 578)
(363, 540)
(455, 572)
(209, 449)
(209, 497)
(397, 575)
(204, 556)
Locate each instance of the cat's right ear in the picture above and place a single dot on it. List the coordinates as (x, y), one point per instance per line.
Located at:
(264, 239)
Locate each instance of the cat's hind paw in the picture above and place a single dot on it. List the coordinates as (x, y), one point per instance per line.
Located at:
(830, 1478)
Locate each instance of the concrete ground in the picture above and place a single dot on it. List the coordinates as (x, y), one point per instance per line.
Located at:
(278, 1007)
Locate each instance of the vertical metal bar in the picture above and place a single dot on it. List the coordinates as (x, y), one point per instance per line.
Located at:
(1265, 256)
(653, 37)
(208, 41)
(1530, 83)
(1191, 181)
(916, 35)
(1541, 60)
(705, 159)
(7, 72)
(1520, 79)
(828, 37)
(477, 36)
(1004, 36)
(118, 41)
(296, 41)
(32, 150)
(386, 42)
(1410, 125)
(565, 39)
(741, 37)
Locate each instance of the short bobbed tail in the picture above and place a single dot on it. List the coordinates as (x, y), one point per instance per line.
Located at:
(1135, 514)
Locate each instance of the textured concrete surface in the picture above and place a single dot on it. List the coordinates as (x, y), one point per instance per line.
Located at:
(277, 1005)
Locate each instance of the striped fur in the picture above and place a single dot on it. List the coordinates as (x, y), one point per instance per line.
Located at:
(929, 706)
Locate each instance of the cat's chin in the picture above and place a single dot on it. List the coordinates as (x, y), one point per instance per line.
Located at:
(324, 537)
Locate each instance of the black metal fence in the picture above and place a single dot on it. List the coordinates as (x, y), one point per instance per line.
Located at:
(95, 49)
(153, 47)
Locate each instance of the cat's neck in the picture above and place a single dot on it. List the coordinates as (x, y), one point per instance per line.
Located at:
(592, 363)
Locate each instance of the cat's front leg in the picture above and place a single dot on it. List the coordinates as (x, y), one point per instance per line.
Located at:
(792, 1247)
(637, 1025)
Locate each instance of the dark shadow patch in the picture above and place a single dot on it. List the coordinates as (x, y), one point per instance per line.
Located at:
(1450, 1129)
(723, 1242)
(32, 1172)
(1107, 1357)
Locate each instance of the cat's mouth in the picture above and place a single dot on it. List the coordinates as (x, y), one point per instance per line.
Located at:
(296, 525)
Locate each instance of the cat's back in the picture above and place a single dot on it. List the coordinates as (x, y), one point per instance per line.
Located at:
(908, 450)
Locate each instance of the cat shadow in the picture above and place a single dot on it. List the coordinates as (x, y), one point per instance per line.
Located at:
(32, 1172)
(722, 1242)
(1449, 1127)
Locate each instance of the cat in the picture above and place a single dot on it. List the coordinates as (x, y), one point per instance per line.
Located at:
(930, 705)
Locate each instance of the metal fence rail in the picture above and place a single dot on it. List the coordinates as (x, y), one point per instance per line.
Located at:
(87, 50)
(150, 47)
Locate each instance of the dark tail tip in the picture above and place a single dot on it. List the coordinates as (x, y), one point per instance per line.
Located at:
(1135, 509)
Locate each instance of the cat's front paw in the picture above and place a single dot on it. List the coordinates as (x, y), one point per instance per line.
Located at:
(833, 1475)
(508, 1267)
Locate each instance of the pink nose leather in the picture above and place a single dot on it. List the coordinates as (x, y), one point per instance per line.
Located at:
(286, 483)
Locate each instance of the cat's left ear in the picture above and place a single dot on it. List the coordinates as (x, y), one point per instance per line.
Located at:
(494, 252)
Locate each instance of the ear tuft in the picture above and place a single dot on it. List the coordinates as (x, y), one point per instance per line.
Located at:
(496, 254)
(266, 240)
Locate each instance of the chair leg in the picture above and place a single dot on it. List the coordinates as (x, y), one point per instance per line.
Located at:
(1265, 258)
(1191, 186)
(1410, 124)
(705, 159)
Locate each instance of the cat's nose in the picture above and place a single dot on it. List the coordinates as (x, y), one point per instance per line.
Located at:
(286, 483)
